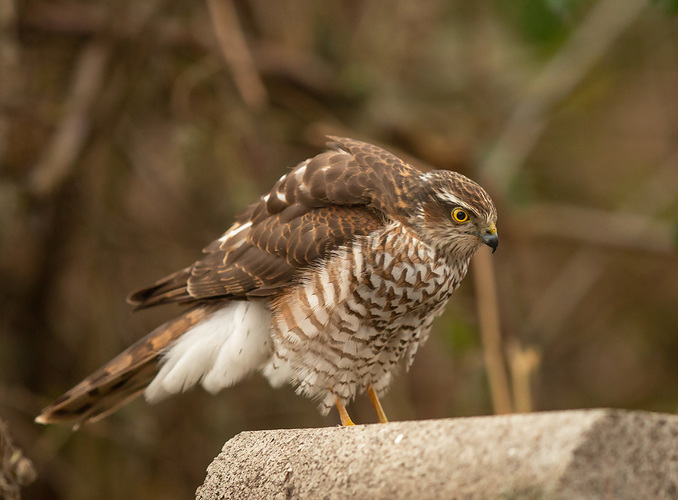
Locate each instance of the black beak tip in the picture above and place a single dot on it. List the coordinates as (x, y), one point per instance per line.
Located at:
(492, 241)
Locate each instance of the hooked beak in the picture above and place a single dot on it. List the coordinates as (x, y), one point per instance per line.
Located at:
(490, 238)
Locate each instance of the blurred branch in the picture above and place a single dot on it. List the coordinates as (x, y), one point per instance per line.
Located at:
(82, 19)
(59, 157)
(237, 55)
(9, 67)
(579, 275)
(488, 318)
(523, 362)
(659, 191)
(592, 39)
(599, 227)
(189, 79)
(306, 68)
(567, 289)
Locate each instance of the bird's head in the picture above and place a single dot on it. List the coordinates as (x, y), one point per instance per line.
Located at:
(455, 214)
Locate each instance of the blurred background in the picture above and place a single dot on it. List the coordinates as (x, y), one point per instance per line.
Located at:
(132, 133)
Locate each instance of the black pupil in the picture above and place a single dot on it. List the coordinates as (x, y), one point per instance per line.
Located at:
(461, 215)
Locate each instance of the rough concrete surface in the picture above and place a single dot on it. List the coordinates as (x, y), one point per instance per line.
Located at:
(587, 454)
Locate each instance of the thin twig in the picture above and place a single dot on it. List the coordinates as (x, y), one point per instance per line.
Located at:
(488, 318)
(236, 53)
(59, 157)
(601, 227)
(523, 362)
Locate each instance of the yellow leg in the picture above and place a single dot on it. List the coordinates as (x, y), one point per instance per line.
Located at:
(343, 414)
(377, 405)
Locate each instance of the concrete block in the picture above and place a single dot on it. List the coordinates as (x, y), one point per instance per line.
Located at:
(587, 454)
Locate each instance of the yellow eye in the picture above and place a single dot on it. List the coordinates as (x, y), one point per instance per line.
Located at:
(460, 215)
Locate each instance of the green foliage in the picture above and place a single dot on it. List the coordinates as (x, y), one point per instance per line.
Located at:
(670, 6)
(459, 336)
(542, 22)
(562, 8)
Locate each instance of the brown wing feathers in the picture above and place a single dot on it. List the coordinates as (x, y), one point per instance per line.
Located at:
(318, 206)
(172, 288)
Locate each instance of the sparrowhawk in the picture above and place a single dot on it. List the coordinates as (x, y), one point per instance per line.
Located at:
(328, 282)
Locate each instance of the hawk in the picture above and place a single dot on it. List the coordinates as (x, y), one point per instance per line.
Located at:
(328, 282)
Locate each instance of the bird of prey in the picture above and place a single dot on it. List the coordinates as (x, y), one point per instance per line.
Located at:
(327, 282)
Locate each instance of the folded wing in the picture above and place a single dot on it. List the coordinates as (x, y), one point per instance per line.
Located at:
(322, 204)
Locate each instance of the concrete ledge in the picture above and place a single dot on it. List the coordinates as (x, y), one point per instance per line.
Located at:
(588, 454)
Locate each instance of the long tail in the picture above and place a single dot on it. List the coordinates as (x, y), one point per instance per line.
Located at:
(123, 378)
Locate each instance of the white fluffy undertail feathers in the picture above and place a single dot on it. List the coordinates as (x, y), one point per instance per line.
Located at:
(218, 352)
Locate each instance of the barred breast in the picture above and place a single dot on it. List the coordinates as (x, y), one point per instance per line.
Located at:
(349, 323)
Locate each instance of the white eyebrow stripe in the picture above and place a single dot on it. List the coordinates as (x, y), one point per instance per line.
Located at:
(450, 198)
